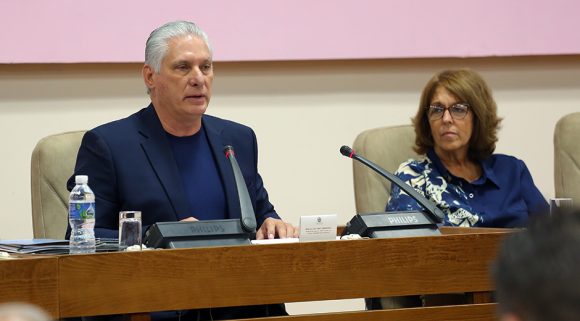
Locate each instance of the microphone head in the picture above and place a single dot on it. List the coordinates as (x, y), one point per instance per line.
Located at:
(346, 151)
(229, 150)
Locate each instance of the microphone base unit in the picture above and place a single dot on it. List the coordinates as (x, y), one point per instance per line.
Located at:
(391, 225)
(171, 235)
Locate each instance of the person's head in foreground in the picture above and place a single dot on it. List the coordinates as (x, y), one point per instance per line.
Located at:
(22, 312)
(537, 272)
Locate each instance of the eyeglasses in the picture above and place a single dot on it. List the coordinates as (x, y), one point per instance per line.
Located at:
(457, 111)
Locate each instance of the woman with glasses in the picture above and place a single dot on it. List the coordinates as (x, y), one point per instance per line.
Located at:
(456, 129)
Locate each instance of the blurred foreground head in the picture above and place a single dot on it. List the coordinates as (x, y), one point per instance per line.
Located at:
(22, 312)
(537, 272)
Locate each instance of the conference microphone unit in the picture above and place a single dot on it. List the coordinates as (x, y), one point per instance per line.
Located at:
(248, 216)
(210, 232)
(394, 224)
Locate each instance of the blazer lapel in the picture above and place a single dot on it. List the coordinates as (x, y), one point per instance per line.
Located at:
(217, 142)
(160, 156)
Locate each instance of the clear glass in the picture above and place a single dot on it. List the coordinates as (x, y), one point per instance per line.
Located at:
(129, 229)
(561, 205)
(457, 111)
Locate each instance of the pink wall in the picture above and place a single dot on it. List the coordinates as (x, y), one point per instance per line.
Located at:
(70, 31)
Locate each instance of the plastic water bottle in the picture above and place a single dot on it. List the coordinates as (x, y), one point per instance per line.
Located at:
(81, 216)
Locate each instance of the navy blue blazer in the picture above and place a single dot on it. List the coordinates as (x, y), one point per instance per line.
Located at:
(131, 166)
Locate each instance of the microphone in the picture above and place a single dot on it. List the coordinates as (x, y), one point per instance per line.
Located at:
(210, 232)
(423, 223)
(435, 213)
(248, 217)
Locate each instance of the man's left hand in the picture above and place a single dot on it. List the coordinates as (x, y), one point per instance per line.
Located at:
(272, 228)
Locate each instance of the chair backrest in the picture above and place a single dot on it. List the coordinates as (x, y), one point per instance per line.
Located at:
(53, 161)
(567, 157)
(388, 147)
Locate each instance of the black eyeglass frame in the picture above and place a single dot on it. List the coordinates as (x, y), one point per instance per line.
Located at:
(458, 106)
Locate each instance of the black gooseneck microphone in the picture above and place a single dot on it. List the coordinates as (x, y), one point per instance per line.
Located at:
(248, 217)
(433, 211)
(394, 224)
(209, 232)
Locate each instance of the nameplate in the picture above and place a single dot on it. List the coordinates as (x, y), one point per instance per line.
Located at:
(317, 228)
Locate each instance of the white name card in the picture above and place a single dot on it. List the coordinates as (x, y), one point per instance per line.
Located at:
(317, 227)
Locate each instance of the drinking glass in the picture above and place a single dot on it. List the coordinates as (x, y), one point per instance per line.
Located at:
(129, 229)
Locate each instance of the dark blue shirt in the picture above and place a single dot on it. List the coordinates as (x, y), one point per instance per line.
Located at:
(504, 195)
(200, 177)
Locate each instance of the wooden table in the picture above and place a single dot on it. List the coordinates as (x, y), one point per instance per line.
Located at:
(30, 279)
(137, 282)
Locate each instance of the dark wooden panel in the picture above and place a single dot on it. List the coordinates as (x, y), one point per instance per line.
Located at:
(480, 312)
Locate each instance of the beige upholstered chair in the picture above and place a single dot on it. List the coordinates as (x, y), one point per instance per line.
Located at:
(388, 147)
(53, 161)
(567, 157)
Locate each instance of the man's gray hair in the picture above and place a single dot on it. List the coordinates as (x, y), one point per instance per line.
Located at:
(157, 43)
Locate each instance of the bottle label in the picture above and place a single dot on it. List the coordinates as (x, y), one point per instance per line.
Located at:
(82, 210)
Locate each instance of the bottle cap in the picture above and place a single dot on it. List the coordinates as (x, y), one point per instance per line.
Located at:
(81, 179)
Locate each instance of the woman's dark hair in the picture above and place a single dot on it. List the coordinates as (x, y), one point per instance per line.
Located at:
(468, 87)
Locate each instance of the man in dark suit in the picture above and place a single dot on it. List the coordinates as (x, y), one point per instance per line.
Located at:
(167, 159)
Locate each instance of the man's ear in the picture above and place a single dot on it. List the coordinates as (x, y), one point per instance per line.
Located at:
(148, 76)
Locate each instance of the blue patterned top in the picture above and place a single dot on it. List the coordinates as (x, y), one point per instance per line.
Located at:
(504, 195)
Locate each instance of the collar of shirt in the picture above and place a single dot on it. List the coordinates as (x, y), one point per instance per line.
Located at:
(488, 173)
